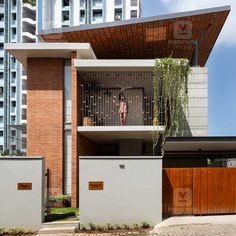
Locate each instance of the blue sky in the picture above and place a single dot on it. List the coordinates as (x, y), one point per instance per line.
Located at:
(221, 63)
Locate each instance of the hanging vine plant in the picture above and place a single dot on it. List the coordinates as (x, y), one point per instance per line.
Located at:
(170, 85)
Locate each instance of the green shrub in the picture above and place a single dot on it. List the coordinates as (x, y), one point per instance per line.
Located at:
(92, 226)
(145, 225)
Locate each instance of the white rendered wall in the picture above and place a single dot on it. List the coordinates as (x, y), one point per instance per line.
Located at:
(21, 208)
(132, 190)
(198, 101)
(67, 127)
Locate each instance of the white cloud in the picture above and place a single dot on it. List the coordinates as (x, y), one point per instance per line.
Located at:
(228, 34)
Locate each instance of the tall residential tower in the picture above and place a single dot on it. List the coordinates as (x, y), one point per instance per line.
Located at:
(64, 13)
(17, 24)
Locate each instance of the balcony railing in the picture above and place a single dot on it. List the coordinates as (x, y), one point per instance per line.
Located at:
(106, 97)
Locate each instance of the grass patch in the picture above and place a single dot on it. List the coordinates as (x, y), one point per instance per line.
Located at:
(67, 213)
(14, 231)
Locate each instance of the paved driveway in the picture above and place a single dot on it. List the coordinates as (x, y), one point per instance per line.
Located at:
(196, 230)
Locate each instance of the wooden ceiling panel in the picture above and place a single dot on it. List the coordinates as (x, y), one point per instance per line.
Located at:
(148, 39)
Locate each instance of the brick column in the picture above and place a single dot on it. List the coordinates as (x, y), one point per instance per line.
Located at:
(45, 85)
(74, 134)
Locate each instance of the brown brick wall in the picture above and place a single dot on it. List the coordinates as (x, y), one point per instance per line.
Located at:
(74, 134)
(80, 144)
(45, 115)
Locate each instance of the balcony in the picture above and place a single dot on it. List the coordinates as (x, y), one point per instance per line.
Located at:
(97, 4)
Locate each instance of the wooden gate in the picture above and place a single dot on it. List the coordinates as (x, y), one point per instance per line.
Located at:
(189, 191)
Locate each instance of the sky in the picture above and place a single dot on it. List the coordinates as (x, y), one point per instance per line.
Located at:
(221, 64)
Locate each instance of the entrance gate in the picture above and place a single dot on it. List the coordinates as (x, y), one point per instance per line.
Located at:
(188, 191)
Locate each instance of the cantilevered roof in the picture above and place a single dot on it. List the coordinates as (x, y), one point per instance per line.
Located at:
(201, 144)
(22, 51)
(151, 37)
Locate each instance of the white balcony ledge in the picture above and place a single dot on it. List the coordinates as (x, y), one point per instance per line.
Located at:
(29, 21)
(101, 134)
(30, 7)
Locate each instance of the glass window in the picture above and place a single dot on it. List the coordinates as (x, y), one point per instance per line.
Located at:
(65, 3)
(1, 104)
(65, 15)
(97, 13)
(82, 15)
(118, 14)
(134, 3)
(1, 91)
(1, 119)
(134, 14)
(1, 133)
(13, 103)
(118, 2)
(13, 133)
(1, 75)
(1, 32)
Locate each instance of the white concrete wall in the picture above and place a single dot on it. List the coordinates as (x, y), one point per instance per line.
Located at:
(198, 102)
(21, 208)
(132, 194)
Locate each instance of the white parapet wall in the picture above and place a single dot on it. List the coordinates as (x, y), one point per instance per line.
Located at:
(120, 190)
(22, 192)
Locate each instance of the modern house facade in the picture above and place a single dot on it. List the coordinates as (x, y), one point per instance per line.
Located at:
(65, 13)
(76, 76)
(17, 25)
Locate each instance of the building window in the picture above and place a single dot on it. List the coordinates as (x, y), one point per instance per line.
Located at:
(1, 75)
(13, 147)
(1, 46)
(97, 14)
(13, 17)
(24, 99)
(97, 2)
(1, 92)
(13, 133)
(1, 133)
(134, 3)
(1, 61)
(118, 14)
(13, 89)
(1, 146)
(134, 14)
(1, 119)
(65, 3)
(24, 114)
(118, 2)
(82, 15)
(2, 32)
(1, 104)
(13, 3)
(13, 103)
(65, 15)
(1, 17)
(13, 119)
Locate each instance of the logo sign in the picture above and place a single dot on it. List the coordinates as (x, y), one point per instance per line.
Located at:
(24, 186)
(183, 29)
(183, 197)
(95, 185)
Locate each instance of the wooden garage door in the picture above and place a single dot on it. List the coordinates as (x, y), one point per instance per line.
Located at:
(199, 191)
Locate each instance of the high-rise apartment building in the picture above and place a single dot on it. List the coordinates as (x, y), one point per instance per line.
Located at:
(64, 13)
(17, 24)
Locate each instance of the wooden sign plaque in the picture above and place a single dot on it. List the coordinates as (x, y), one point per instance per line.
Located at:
(24, 186)
(95, 185)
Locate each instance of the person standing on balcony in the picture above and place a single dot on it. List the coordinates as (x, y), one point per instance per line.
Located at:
(123, 109)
